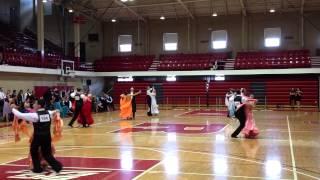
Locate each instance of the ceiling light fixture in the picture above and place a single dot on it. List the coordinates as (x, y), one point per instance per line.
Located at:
(113, 20)
(124, 0)
(214, 14)
(162, 18)
(272, 10)
(44, 1)
(70, 10)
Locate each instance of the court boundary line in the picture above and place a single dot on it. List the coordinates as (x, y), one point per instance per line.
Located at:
(181, 114)
(147, 170)
(294, 169)
(248, 160)
(181, 134)
(199, 152)
(218, 175)
(108, 132)
(85, 168)
(188, 151)
(262, 162)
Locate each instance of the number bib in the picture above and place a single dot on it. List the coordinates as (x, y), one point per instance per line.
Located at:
(77, 98)
(44, 118)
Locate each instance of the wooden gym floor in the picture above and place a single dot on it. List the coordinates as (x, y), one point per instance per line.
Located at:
(178, 144)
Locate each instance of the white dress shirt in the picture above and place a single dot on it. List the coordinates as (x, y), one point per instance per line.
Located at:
(31, 117)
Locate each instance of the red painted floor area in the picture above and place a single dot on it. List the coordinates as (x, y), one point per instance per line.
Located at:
(173, 128)
(208, 112)
(81, 168)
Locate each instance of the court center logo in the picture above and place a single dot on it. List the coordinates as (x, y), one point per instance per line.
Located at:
(80, 168)
(175, 128)
(49, 175)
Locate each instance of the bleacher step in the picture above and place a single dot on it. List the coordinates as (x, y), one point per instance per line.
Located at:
(229, 64)
(154, 66)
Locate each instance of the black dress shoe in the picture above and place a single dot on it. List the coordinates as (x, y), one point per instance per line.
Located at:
(40, 170)
(234, 136)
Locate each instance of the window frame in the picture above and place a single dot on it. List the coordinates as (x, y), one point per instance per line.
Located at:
(214, 39)
(164, 42)
(119, 43)
(272, 34)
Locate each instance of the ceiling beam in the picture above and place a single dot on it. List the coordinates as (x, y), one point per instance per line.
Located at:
(266, 6)
(227, 8)
(243, 8)
(159, 4)
(130, 10)
(79, 7)
(186, 8)
(302, 6)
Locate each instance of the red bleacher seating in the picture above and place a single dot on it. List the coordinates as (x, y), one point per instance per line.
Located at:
(22, 57)
(276, 91)
(272, 60)
(124, 63)
(184, 62)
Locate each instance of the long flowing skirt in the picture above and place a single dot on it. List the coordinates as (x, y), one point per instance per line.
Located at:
(86, 113)
(154, 106)
(250, 130)
(125, 108)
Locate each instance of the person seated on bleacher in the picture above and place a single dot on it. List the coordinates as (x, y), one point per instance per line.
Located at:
(215, 66)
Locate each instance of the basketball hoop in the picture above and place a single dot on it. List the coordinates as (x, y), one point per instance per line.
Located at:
(67, 68)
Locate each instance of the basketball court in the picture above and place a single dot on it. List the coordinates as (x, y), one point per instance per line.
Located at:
(178, 144)
(190, 58)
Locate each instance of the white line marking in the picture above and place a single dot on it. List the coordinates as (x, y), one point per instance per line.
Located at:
(216, 175)
(146, 171)
(84, 168)
(119, 129)
(184, 113)
(13, 160)
(247, 160)
(100, 157)
(188, 151)
(294, 169)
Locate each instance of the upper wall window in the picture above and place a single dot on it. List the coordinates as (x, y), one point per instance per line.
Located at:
(272, 37)
(125, 43)
(170, 41)
(219, 39)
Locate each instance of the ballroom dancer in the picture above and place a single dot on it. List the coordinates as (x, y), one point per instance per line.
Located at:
(86, 119)
(154, 105)
(229, 102)
(133, 101)
(78, 103)
(125, 106)
(149, 91)
(250, 130)
(41, 137)
(240, 113)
